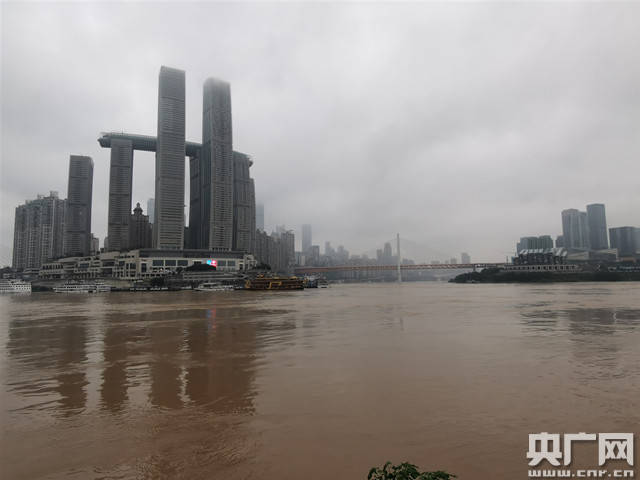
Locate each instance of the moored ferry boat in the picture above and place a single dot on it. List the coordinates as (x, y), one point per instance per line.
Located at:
(310, 282)
(274, 283)
(89, 287)
(213, 287)
(10, 285)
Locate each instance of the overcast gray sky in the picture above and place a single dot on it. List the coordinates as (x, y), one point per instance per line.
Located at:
(462, 126)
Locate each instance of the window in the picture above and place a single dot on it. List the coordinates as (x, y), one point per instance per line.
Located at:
(170, 263)
(158, 263)
(183, 263)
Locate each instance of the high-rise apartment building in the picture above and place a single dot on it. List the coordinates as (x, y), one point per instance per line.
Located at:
(120, 184)
(277, 251)
(252, 202)
(77, 223)
(465, 258)
(195, 202)
(313, 255)
(306, 238)
(289, 243)
(39, 232)
(168, 228)
(531, 243)
(575, 229)
(243, 204)
(387, 255)
(597, 221)
(216, 166)
(624, 239)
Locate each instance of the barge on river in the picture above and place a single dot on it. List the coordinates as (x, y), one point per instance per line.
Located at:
(274, 283)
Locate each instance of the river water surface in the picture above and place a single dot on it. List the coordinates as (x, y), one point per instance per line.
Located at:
(315, 384)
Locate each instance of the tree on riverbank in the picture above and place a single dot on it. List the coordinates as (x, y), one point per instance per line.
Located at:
(405, 471)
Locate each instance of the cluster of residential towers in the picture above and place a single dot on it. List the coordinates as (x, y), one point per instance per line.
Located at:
(586, 232)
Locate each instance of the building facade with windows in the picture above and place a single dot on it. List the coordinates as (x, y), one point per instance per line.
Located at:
(168, 231)
(307, 239)
(77, 223)
(120, 184)
(624, 240)
(144, 264)
(38, 232)
(575, 229)
(139, 230)
(597, 219)
(216, 166)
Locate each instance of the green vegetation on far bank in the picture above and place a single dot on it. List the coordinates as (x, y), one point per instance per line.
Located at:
(405, 471)
(495, 275)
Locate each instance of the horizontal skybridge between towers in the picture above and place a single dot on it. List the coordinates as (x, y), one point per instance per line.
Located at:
(146, 143)
(370, 268)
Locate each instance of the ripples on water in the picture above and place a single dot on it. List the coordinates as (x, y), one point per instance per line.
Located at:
(313, 384)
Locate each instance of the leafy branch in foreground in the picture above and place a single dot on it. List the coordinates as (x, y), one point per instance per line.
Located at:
(405, 471)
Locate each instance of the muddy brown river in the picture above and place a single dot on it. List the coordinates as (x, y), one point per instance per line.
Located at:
(317, 384)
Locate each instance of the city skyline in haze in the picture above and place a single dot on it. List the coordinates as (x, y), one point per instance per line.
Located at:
(463, 127)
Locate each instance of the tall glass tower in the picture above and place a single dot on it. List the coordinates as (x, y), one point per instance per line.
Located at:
(597, 226)
(120, 183)
(168, 228)
(216, 167)
(77, 224)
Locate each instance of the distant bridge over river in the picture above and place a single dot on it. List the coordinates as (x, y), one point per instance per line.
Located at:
(404, 268)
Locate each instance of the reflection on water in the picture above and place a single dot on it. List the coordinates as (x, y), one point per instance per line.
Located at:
(313, 384)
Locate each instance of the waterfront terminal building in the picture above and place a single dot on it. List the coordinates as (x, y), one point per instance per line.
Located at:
(144, 264)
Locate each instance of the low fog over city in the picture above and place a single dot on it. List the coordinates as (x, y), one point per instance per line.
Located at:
(463, 127)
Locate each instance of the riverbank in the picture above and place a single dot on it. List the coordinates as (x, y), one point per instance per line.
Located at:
(500, 276)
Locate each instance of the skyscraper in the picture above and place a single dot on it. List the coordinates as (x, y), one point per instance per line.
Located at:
(288, 243)
(252, 202)
(243, 204)
(39, 231)
(597, 226)
(168, 231)
(216, 166)
(575, 229)
(139, 229)
(624, 239)
(77, 224)
(195, 204)
(387, 255)
(306, 238)
(120, 184)
(260, 216)
(151, 207)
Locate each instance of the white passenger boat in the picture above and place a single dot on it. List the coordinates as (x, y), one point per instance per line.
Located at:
(89, 287)
(10, 285)
(213, 287)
